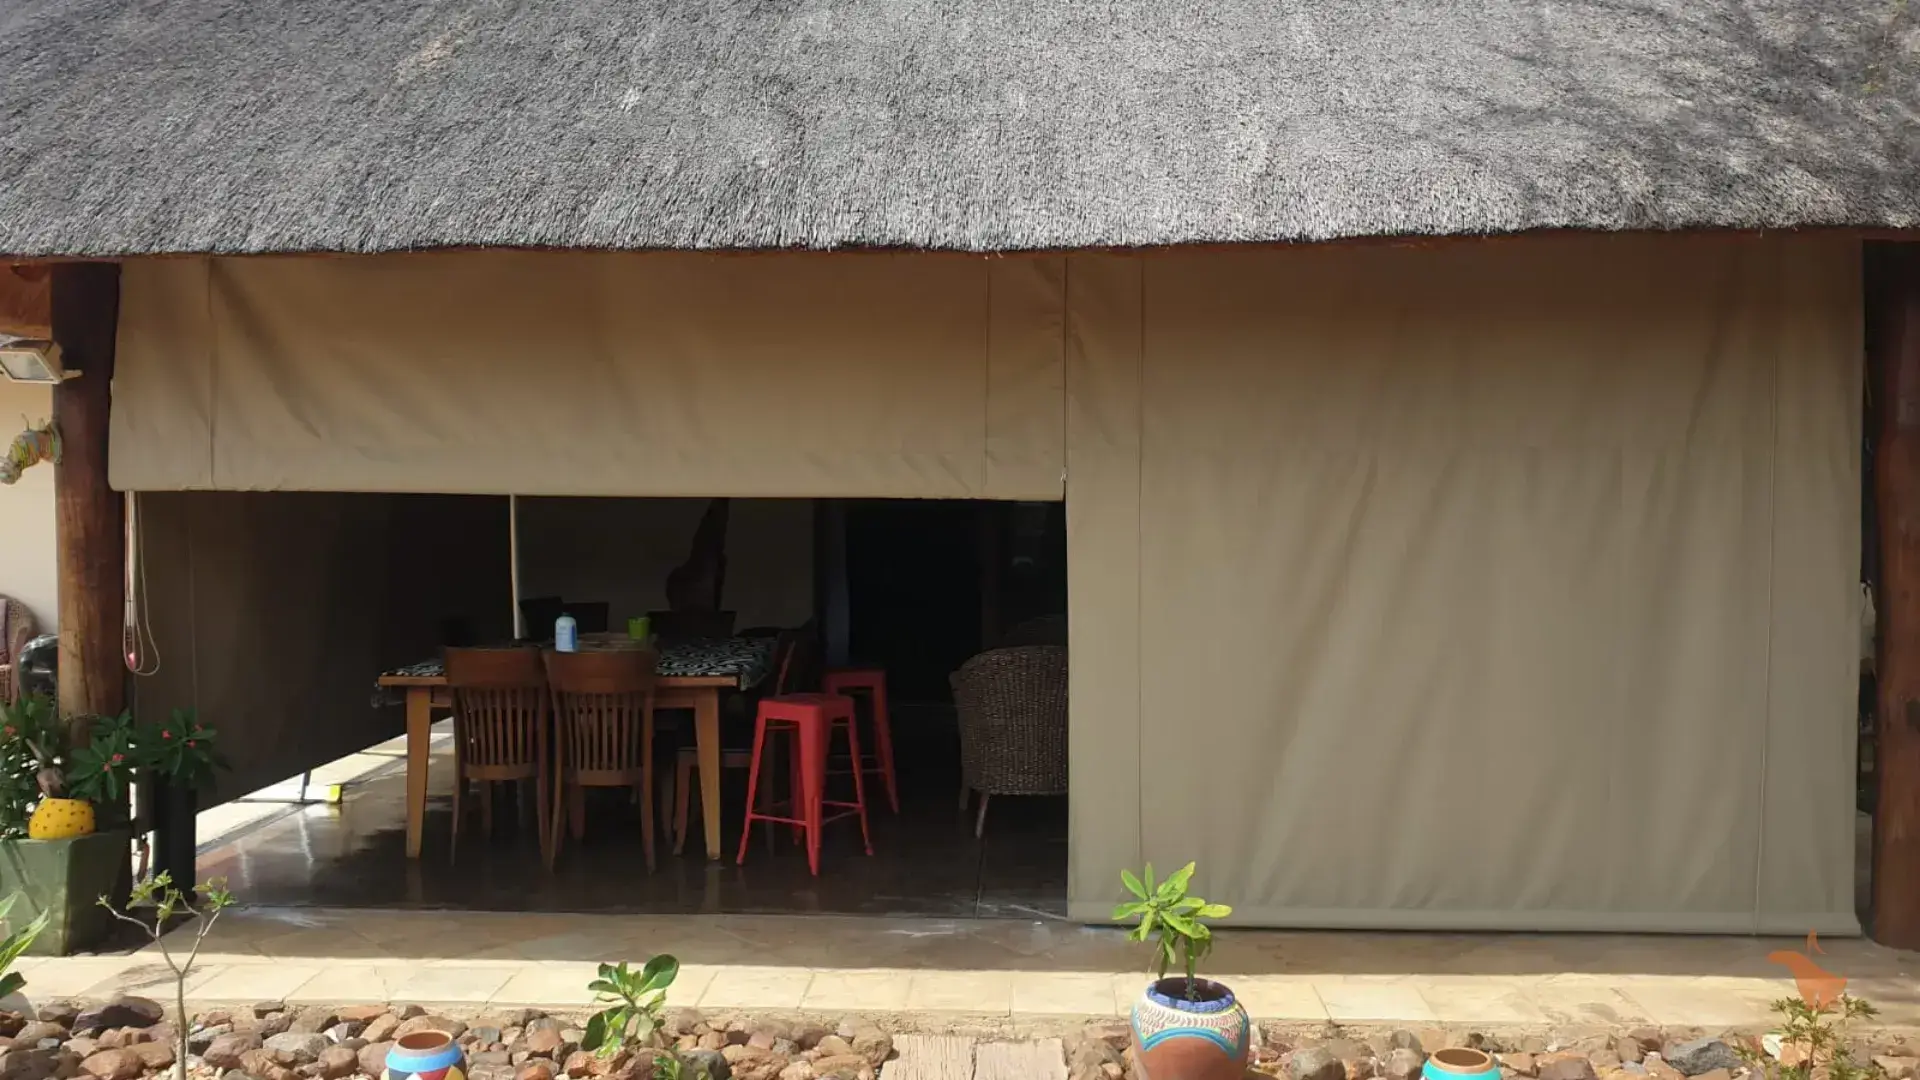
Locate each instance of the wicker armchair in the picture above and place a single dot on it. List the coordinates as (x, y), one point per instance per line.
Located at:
(1013, 723)
(16, 629)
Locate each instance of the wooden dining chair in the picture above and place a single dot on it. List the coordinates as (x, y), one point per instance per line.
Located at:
(500, 730)
(603, 708)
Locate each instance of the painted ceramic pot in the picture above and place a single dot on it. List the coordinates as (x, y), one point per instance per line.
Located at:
(426, 1055)
(60, 819)
(1177, 1039)
(1460, 1063)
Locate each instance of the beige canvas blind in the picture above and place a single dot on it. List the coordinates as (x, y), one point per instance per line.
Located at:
(1504, 585)
(593, 374)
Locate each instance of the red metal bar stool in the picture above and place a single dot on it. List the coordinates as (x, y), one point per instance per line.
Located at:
(845, 681)
(811, 719)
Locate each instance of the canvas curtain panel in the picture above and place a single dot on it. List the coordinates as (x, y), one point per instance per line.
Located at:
(1494, 585)
(1479, 586)
(575, 374)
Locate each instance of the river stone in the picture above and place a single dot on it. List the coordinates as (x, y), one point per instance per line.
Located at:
(1567, 1066)
(122, 1012)
(1701, 1056)
(338, 1061)
(1315, 1063)
(225, 1051)
(301, 1046)
(113, 1065)
(373, 1058)
(453, 1028)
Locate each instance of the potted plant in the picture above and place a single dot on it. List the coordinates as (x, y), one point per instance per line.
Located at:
(1184, 1027)
(55, 796)
(178, 757)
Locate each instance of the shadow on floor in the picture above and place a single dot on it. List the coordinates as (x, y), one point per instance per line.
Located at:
(926, 861)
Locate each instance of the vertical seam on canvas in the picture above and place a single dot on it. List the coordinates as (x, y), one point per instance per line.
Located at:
(1773, 561)
(1139, 554)
(986, 396)
(193, 609)
(213, 375)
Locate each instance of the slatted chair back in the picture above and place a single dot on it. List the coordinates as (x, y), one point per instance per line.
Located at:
(603, 702)
(500, 703)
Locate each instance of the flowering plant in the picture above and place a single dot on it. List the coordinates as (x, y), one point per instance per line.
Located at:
(182, 749)
(39, 757)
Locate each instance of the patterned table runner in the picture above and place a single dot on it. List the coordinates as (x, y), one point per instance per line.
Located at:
(748, 660)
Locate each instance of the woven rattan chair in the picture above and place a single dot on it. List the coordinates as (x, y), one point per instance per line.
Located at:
(500, 730)
(1013, 723)
(16, 629)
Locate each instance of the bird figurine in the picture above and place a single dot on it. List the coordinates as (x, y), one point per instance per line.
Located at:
(1819, 988)
(30, 447)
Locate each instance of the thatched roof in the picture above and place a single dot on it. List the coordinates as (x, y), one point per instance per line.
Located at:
(132, 126)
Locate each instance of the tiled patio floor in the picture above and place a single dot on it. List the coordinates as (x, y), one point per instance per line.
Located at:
(984, 969)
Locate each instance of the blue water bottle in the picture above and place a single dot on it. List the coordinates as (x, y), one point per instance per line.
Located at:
(566, 634)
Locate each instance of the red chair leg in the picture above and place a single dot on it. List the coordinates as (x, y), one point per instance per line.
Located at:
(753, 785)
(813, 776)
(859, 785)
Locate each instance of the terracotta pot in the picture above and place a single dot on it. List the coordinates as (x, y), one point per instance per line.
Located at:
(1177, 1039)
(1460, 1063)
(426, 1055)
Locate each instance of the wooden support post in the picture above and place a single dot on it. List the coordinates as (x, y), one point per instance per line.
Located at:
(89, 518)
(1893, 361)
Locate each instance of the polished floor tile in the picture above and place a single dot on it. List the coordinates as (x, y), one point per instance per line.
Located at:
(926, 861)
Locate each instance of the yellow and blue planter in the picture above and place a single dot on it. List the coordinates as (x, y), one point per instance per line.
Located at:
(1461, 1063)
(426, 1055)
(1177, 1039)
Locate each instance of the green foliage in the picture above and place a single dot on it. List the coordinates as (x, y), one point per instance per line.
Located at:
(635, 1001)
(100, 771)
(29, 726)
(670, 1067)
(1174, 921)
(15, 943)
(182, 749)
(203, 905)
(1819, 1034)
(38, 757)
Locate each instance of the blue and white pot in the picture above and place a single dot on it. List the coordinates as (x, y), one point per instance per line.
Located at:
(1460, 1063)
(426, 1055)
(1178, 1039)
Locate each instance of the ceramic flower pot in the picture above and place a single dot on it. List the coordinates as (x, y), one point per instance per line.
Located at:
(1461, 1063)
(1178, 1039)
(426, 1055)
(60, 819)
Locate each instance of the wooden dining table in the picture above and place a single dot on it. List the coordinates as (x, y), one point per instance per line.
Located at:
(426, 693)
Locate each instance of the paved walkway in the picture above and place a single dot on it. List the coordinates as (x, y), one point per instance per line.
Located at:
(993, 970)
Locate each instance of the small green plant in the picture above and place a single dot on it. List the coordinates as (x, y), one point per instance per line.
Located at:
(1814, 1033)
(1172, 919)
(15, 943)
(634, 1000)
(181, 748)
(100, 771)
(158, 892)
(669, 1066)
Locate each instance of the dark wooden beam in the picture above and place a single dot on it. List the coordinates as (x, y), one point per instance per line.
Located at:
(89, 518)
(1893, 365)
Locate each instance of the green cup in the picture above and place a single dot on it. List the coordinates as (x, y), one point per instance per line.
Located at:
(640, 627)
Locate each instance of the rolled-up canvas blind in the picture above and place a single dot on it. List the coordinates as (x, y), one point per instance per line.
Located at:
(1503, 585)
(593, 374)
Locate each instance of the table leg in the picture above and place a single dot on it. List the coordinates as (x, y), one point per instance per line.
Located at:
(419, 745)
(706, 736)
